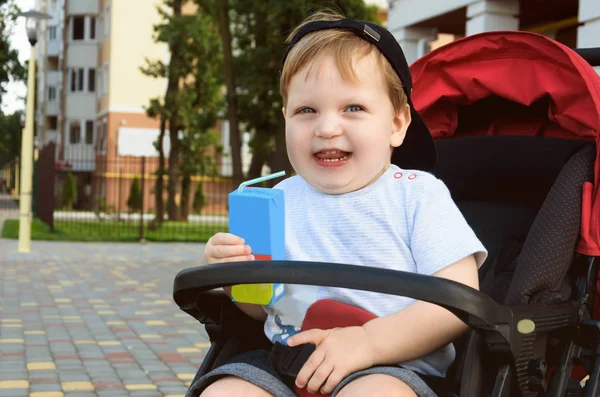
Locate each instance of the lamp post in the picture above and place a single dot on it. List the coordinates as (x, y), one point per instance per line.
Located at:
(31, 22)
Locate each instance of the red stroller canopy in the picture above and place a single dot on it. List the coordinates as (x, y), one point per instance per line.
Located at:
(517, 83)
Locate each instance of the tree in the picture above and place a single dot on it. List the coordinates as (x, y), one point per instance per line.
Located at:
(199, 199)
(10, 137)
(259, 31)
(232, 101)
(134, 202)
(10, 67)
(169, 32)
(69, 192)
(200, 104)
(192, 101)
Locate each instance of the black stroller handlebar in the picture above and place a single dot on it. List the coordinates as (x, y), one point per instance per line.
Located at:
(472, 306)
(591, 55)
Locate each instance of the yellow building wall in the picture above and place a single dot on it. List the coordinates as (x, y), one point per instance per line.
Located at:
(131, 41)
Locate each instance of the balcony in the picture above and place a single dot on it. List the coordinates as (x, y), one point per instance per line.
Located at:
(51, 136)
(82, 7)
(52, 108)
(54, 78)
(81, 105)
(79, 157)
(82, 54)
(54, 48)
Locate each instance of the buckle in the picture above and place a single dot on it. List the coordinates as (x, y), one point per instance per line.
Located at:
(288, 361)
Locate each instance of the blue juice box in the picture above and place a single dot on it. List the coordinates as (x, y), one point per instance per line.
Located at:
(258, 216)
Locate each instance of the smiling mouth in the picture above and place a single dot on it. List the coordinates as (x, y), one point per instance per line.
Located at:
(332, 156)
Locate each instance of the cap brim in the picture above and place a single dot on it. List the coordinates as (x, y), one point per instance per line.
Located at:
(418, 151)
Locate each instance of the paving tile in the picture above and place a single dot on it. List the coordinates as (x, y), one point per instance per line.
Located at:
(96, 320)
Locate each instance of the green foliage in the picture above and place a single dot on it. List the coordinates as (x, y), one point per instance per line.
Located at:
(134, 202)
(199, 199)
(10, 67)
(10, 137)
(196, 100)
(69, 192)
(259, 31)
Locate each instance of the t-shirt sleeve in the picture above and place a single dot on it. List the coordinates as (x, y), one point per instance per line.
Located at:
(440, 235)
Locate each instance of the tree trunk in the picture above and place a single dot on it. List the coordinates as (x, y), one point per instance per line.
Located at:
(159, 187)
(173, 171)
(186, 187)
(259, 157)
(281, 161)
(171, 105)
(232, 110)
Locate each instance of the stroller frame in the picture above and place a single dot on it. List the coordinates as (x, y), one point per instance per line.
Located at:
(509, 333)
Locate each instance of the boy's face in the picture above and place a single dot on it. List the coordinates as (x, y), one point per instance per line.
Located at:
(340, 133)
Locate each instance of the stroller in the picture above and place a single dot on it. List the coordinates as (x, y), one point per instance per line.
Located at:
(516, 119)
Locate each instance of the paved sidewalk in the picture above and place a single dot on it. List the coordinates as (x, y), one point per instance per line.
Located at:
(82, 319)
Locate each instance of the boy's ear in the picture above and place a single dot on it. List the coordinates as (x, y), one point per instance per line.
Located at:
(283, 111)
(400, 125)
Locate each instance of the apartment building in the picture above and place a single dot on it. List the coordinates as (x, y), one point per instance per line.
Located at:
(420, 26)
(92, 94)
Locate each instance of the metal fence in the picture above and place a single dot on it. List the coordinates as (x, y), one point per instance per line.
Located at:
(9, 205)
(100, 199)
(118, 201)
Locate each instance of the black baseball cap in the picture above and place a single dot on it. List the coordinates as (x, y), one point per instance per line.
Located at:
(418, 150)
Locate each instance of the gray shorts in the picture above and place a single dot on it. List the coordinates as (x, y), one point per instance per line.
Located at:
(256, 368)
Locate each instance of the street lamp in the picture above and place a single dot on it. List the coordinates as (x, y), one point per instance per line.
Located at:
(31, 25)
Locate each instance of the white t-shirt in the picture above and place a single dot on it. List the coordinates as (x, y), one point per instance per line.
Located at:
(406, 220)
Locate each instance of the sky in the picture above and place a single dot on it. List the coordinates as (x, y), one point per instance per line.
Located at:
(14, 99)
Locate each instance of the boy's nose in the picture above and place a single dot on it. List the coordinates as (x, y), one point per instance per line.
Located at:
(328, 129)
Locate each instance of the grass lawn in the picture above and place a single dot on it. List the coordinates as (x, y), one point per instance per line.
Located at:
(113, 231)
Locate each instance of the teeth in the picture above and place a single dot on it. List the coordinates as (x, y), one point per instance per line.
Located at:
(334, 160)
(330, 151)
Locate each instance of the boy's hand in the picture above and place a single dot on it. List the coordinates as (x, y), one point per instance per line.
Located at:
(226, 247)
(339, 353)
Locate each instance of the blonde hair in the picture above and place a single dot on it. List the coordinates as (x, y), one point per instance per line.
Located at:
(345, 46)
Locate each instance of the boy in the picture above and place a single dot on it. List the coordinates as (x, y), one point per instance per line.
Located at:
(346, 92)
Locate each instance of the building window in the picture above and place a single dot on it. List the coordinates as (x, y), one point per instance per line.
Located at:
(53, 123)
(91, 80)
(99, 136)
(89, 132)
(80, 78)
(74, 132)
(105, 80)
(93, 28)
(104, 146)
(78, 82)
(52, 33)
(100, 28)
(51, 93)
(77, 79)
(73, 77)
(100, 83)
(106, 21)
(78, 31)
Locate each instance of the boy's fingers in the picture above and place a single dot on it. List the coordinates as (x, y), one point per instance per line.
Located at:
(226, 239)
(244, 258)
(226, 251)
(334, 379)
(309, 368)
(319, 377)
(314, 336)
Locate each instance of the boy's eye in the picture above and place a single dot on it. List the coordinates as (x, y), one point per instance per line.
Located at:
(306, 110)
(354, 108)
